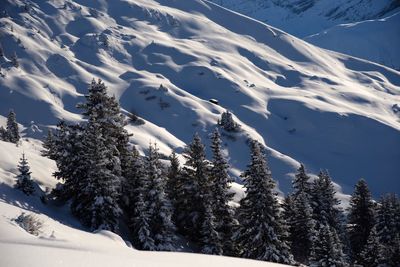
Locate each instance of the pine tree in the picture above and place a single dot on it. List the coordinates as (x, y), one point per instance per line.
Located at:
(24, 180)
(105, 110)
(326, 211)
(227, 122)
(325, 204)
(159, 206)
(302, 229)
(327, 250)
(301, 182)
(173, 181)
(220, 185)
(387, 230)
(14, 60)
(371, 251)
(360, 219)
(261, 234)
(12, 128)
(96, 201)
(211, 240)
(3, 134)
(135, 189)
(298, 214)
(49, 146)
(68, 153)
(194, 183)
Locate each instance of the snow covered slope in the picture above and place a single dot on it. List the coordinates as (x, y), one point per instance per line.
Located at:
(61, 241)
(305, 17)
(304, 103)
(375, 40)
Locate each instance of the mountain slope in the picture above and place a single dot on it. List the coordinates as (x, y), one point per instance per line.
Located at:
(304, 103)
(305, 17)
(375, 40)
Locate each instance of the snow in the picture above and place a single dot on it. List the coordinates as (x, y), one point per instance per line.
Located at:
(293, 97)
(360, 28)
(375, 40)
(62, 241)
(305, 104)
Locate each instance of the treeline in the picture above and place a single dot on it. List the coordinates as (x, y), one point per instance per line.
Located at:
(107, 182)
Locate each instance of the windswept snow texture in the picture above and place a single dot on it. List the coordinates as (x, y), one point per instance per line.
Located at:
(375, 40)
(305, 17)
(304, 103)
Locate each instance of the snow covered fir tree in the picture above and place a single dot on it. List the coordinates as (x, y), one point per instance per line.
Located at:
(24, 181)
(11, 132)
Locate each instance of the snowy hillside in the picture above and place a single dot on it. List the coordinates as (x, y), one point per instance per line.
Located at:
(62, 241)
(368, 40)
(164, 61)
(305, 17)
(304, 103)
(374, 40)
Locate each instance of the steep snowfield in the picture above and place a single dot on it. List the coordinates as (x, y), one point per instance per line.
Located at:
(304, 103)
(305, 17)
(375, 40)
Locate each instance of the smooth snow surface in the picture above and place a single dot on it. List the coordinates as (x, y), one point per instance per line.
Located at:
(375, 40)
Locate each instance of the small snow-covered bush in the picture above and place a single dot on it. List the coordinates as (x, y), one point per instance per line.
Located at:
(29, 223)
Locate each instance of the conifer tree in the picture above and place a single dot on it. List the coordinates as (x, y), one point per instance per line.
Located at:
(372, 250)
(325, 204)
(3, 134)
(96, 201)
(12, 128)
(173, 181)
(387, 230)
(68, 152)
(301, 182)
(261, 234)
(360, 219)
(49, 146)
(302, 229)
(158, 205)
(24, 180)
(326, 211)
(194, 183)
(327, 250)
(220, 185)
(211, 240)
(105, 110)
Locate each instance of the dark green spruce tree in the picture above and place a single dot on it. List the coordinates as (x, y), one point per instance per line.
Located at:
(159, 207)
(12, 131)
(96, 201)
(24, 180)
(360, 219)
(298, 214)
(261, 233)
(192, 190)
(220, 195)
